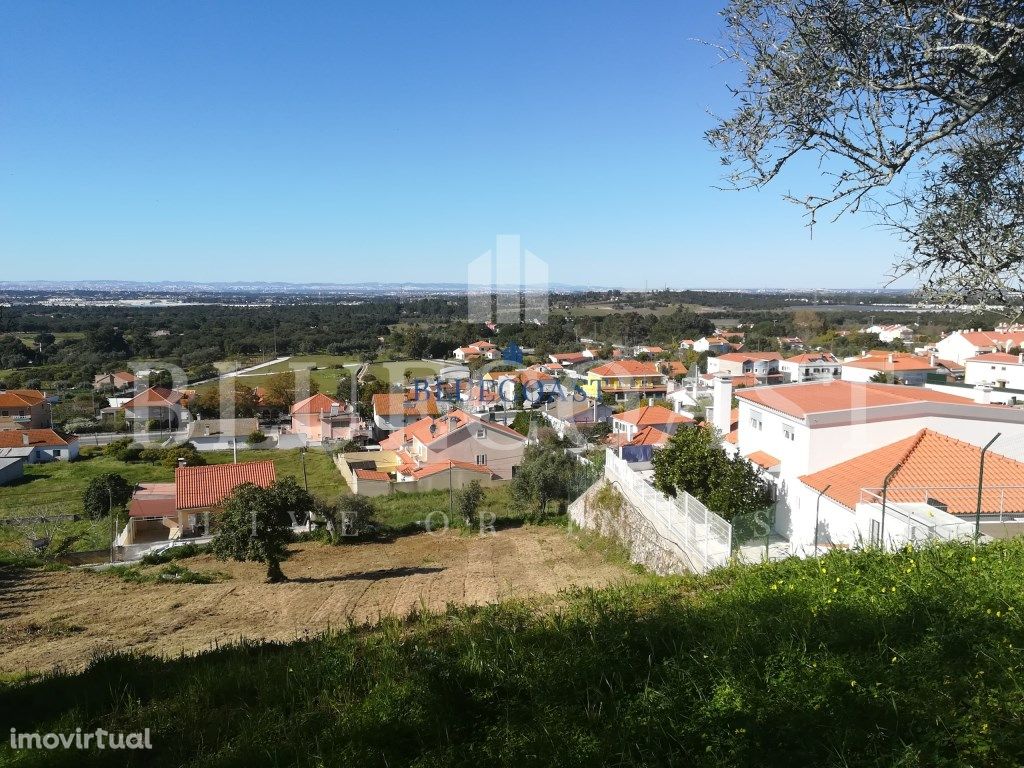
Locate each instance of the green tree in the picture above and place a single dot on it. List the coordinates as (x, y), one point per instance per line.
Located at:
(694, 461)
(468, 500)
(545, 475)
(104, 493)
(254, 524)
(916, 112)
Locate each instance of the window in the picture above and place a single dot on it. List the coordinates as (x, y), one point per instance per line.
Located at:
(788, 432)
(876, 533)
(481, 458)
(755, 420)
(481, 432)
(56, 451)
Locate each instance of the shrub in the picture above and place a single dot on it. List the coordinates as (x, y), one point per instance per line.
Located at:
(256, 437)
(104, 493)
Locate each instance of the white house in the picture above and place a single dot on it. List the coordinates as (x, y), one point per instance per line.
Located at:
(961, 345)
(810, 366)
(716, 344)
(890, 333)
(39, 445)
(764, 366)
(996, 369)
(793, 430)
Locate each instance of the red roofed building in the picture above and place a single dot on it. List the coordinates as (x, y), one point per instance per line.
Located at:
(897, 366)
(810, 366)
(996, 369)
(763, 366)
(933, 480)
(625, 379)
(171, 511)
(960, 346)
(321, 418)
(396, 410)
(630, 423)
(40, 445)
(156, 404)
(23, 409)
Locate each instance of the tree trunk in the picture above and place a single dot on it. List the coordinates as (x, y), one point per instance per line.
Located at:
(274, 573)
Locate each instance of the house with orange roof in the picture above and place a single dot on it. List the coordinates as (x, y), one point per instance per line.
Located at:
(39, 445)
(156, 404)
(119, 381)
(810, 366)
(961, 345)
(171, 511)
(395, 410)
(626, 379)
(321, 418)
(996, 369)
(570, 358)
(899, 367)
(801, 429)
(890, 333)
(763, 366)
(566, 414)
(927, 484)
(23, 409)
(476, 351)
(629, 423)
(436, 452)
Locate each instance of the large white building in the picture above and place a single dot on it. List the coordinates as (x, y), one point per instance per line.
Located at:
(898, 367)
(996, 369)
(960, 346)
(798, 430)
(890, 333)
(810, 366)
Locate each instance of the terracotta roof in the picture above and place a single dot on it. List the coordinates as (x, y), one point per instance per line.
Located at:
(675, 368)
(824, 397)
(652, 414)
(892, 362)
(997, 357)
(570, 358)
(931, 465)
(154, 396)
(21, 397)
(443, 466)
(198, 487)
(372, 474)
(318, 403)
(37, 438)
(443, 426)
(650, 436)
(742, 357)
(744, 380)
(813, 357)
(951, 365)
(153, 500)
(994, 338)
(651, 350)
(404, 404)
(627, 368)
(763, 460)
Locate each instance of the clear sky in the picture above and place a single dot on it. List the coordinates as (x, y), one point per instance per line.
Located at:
(349, 142)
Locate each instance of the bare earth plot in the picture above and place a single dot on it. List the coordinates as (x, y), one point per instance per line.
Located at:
(64, 618)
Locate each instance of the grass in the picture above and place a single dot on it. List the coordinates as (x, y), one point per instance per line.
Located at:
(172, 573)
(323, 477)
(859, 659)
(411, 511)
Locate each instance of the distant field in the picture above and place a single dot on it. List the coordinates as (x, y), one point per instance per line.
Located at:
(608, 308)
(330, 369)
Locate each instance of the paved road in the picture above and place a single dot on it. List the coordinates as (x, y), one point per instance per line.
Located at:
(106, 438)
(243, 371)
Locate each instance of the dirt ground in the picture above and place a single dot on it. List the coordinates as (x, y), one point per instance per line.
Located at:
(64, 618)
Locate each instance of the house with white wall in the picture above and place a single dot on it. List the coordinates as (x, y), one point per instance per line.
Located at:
(810, 366)
(806, 428)
(996, 369)
(890, 333)
(959, 346)
(715, 344)
(763, 366)
(39, 445)
(628, 423)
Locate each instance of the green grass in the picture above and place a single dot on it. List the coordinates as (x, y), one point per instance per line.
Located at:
(324, 478)
(172, 573)
(411, 511)
(859, 659)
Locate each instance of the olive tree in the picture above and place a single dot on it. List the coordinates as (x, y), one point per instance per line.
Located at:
(913, 110)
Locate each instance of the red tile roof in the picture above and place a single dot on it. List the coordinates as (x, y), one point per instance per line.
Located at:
(317, 404)
(372, 474)
(892, 362)
(997, 357)
(154, 396)
(20, 398)
(762, 459)
(404, 404)
(37, 438)
(652, 415)
(627, 368)
(428, 430)
(813, 357)
(443, 466)
(199, 487)
(824, 397)
(931, 465)
(995, 338)
(650, 436)
(742, 357)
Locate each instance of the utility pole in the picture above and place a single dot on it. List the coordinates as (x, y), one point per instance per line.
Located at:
(817, 514)
(981, 480)
(885, 496)
(305, 479)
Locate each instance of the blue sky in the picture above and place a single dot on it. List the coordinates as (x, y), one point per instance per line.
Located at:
(392, 142)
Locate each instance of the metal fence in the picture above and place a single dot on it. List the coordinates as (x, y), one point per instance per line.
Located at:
(704, 537)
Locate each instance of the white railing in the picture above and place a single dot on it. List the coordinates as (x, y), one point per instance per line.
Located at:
(703, 537)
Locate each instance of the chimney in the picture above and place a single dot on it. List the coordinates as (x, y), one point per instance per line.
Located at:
(650, 401)
(1020, 359)
(933, 358)
(983, 394)
(181, 461)
(891, 358)
(24, 439)
(721, 405)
